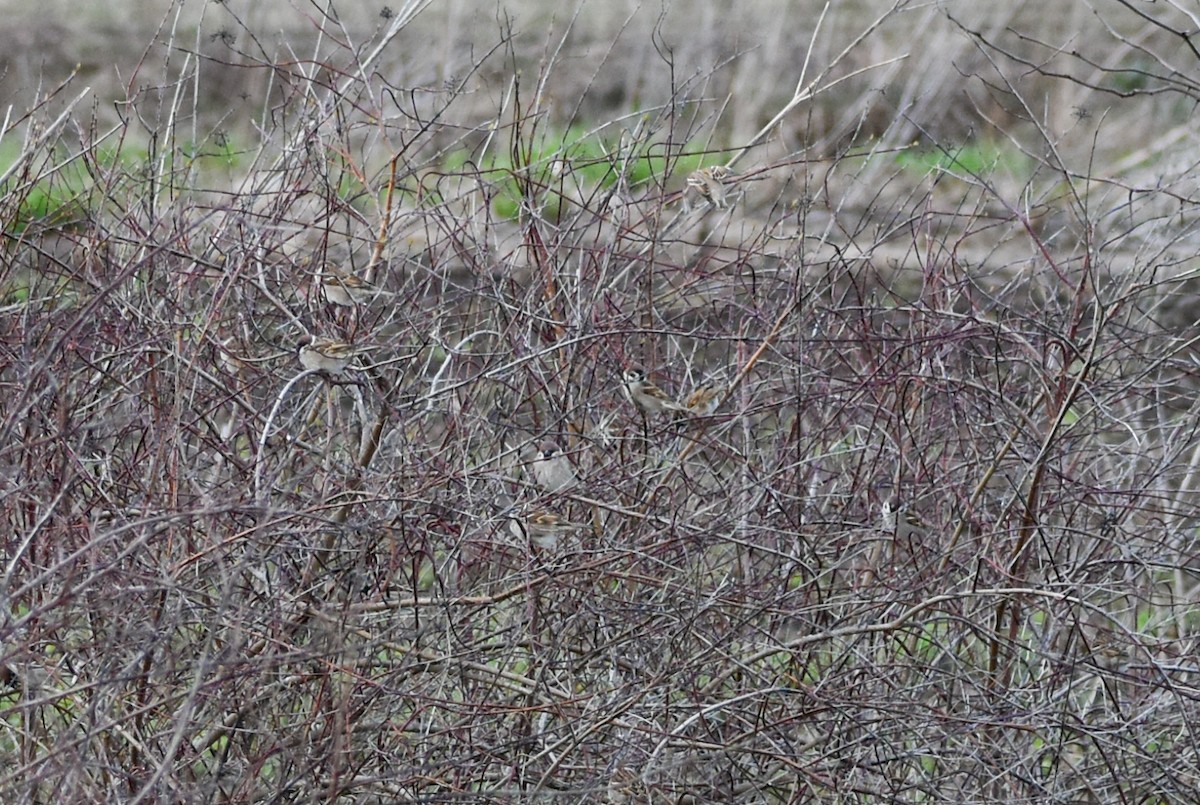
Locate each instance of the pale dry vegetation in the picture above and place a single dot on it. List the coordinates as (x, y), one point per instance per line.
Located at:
(229, 580)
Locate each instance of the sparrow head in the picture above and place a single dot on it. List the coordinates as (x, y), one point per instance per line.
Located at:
(635, 374)
(701, 179)
(546, 519)
(333, 276)
(548, 449)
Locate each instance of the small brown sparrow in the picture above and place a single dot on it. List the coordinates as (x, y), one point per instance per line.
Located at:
(710, 183)
(542, 528)
(328, 355)
(703, 401)
(230, 361)
(346, 290)
(552, 469)
(626, 787)
(645, 395)
(901, 519)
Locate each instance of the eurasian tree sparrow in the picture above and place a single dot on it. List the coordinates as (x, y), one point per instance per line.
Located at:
(327, 355)
(542, 528)
(709, 183)
(552, 469)
(645, 395)
(901, 520)
(703, 401)
(228, 359)
(346, 290)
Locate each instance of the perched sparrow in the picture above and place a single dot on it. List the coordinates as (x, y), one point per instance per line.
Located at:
(626, 787)
(327, 355)
(710, 183)
(703, 401)
(645, 395)
(552, 469)
(346, 290)
(541, 527)
(229, 360)
(901, 520)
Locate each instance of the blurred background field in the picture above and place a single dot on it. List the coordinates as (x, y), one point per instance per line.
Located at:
(611, 60)
(1107, 88)
(935, 540)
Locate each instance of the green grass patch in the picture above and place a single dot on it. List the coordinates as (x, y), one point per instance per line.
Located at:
(979, 158)
(63, 189)
(46, 205)
(563, 165)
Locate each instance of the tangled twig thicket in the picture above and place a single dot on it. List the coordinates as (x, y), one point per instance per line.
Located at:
(456, 563)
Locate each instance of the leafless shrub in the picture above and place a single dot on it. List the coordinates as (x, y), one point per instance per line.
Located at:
(228, 579)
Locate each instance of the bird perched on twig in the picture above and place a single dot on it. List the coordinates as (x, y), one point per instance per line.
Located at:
(552, 469)
(703, 401)
(346, 290)
(899, 518)
(541, 527)
(710, 184)
(328, 355)
(645, 395)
